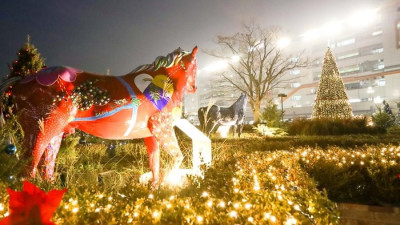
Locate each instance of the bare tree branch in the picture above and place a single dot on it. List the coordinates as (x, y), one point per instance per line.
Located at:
(262, 65)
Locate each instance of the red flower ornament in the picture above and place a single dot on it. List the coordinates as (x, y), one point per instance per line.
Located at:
(32, 206)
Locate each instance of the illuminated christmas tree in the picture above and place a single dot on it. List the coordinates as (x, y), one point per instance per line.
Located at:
(332, 101)
(29, 61)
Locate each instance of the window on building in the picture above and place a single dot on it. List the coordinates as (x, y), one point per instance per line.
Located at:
(296, 98)
(381, 82)
(316, 75)
(373, 65)
(379, 65)
(348, 55)
(295, 85)
(346, 42)
(376, 33)
(295, 72)
(398, 34)
(371, 49)
(352, 86)
(349, 70)
(377, 50)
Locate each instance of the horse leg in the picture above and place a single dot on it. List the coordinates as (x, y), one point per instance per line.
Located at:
(163, 131)
(234, 127)
(240, 129)
(153, 152)
(211, 126)
(50, 127)
(50, 154)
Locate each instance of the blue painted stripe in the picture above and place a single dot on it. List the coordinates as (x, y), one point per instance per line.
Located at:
(107, 114)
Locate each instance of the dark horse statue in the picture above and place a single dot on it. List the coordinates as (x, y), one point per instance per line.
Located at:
(212, 117)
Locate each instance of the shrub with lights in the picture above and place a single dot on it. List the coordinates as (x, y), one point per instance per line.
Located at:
(245, 185)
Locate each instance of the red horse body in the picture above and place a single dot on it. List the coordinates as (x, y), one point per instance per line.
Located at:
(141, 104)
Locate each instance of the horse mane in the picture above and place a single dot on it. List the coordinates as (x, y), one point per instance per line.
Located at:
(241, 98)
(162, 61)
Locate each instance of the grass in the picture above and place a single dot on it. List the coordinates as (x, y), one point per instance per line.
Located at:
(253, 180)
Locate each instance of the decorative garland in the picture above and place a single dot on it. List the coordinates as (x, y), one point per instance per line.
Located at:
(87, 94)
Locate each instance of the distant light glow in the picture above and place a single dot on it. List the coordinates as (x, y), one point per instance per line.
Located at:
(235, 58)
(216, 66)
(332, 28)
(354, 100)
(283, 42)
(363, 18)
(378, 100)
(223, 131)
(311, 35)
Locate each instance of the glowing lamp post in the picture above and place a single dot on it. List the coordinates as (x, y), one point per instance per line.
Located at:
(282, 95)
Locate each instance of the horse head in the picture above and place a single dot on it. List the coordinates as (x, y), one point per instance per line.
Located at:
(185, 70)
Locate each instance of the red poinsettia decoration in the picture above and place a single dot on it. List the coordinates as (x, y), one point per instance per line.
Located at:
(32, 205)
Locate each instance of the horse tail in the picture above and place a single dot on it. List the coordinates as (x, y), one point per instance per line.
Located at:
(3, 87)
(6, 84)
(200, 115)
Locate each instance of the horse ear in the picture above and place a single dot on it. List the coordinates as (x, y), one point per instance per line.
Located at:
(194, 51)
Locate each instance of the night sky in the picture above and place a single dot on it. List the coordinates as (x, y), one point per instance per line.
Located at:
(96, 35)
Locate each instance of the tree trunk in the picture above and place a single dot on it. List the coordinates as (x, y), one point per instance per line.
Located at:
(256, 108)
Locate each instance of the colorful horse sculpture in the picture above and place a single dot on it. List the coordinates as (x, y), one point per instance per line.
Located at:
(141, 104)
(214, 116)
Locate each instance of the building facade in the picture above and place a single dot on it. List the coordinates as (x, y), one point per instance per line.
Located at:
(367, 53)
(368, 59)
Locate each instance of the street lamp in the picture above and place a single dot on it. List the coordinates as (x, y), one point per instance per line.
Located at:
(282, 95)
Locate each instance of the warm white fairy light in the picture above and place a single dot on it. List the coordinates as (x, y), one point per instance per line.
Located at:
(209, 203)
(151, 196)
(247, 206)
(233, 213)
(291, 221)
(199, 219)
(250, 219)
(205, 194)
(75, 210)
(156, 214)
(221, 204)
(236, 205)
(1, 207)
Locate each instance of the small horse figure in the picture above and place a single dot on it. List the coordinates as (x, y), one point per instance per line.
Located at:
(141, 104)
(212, 117)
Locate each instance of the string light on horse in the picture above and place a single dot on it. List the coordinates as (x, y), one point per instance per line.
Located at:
(141, 104)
